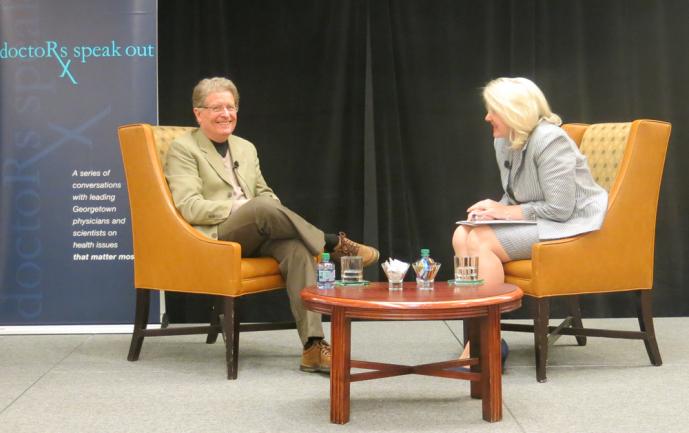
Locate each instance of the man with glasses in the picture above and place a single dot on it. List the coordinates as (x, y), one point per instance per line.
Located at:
(217, 186)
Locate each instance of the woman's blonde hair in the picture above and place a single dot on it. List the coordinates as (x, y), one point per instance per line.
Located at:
(520, 104)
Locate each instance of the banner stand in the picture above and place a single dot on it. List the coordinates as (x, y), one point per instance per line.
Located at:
(65, 233)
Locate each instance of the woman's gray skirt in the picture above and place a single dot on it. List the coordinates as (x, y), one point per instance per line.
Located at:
(516, 239)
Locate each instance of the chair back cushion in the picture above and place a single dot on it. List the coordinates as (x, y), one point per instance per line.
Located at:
(165, 135)
(604, 145)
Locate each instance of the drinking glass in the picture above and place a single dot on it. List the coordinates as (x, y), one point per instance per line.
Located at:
(352, 268)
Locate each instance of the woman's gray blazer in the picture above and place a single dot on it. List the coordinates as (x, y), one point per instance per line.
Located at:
(549, 177)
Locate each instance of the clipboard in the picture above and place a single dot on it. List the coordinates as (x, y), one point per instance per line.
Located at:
(474, 223)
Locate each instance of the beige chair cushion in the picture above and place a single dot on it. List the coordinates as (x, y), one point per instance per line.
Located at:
(165, 135)
(604, 144)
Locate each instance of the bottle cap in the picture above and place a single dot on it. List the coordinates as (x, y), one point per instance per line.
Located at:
(425, 252)
(325, 257)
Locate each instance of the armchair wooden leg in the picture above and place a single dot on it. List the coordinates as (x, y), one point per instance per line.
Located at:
(645, 316)
(541, 319)
(575, 312)
(230, 324)
(143, 297)
(216, 308)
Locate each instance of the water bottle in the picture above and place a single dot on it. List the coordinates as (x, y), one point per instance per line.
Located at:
(325, 278)
(426, 268)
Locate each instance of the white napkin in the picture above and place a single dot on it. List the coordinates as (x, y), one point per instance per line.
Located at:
(397, 266)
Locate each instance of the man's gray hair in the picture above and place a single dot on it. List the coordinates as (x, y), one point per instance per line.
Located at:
(211, 85)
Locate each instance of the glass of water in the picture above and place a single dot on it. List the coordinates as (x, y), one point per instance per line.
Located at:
(352, 268)
(466, 268)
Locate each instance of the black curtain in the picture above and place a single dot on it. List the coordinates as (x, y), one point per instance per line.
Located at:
(367, 114)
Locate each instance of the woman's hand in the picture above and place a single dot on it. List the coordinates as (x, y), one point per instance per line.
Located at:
(481, 210)
(492, 210)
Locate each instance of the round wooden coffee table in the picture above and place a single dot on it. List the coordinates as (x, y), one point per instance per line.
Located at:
(480, 306)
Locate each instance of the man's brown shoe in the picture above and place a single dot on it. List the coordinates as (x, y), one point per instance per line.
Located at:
(347, 247)
(316, 358)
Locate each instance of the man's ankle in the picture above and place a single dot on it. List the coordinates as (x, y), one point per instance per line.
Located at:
(311, 341)
(331, 241)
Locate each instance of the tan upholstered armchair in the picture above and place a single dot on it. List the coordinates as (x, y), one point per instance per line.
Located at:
(626, 159)
(170, 255)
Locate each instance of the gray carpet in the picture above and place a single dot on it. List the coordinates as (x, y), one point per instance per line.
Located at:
(83, 383)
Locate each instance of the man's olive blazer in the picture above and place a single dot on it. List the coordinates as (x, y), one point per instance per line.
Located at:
(200, 183)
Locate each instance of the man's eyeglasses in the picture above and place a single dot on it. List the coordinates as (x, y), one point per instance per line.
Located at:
(217, 109)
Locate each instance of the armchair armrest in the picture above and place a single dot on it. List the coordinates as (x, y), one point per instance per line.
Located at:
(599, 260)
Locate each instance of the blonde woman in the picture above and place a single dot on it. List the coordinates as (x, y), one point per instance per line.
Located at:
(544, 176)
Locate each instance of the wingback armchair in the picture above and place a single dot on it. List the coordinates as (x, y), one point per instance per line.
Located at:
(627, 160)
(170, 255)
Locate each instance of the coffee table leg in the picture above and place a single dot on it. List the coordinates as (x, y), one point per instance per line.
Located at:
(340, 329)
(472, 328)
(491, 371)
